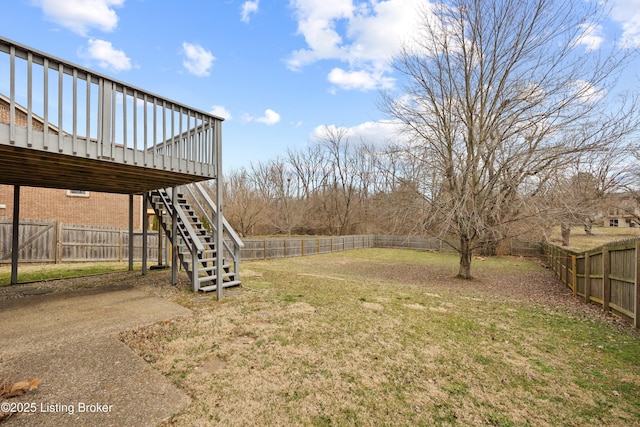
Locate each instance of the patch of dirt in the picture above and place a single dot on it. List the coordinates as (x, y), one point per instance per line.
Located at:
(301, 308)
(321, 276)
(247, 273)
(212, 366)
(415, 306)
(373, 306)
(537, 287)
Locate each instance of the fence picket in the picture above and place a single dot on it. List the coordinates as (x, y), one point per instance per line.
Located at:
(42, 241)
(611, 276)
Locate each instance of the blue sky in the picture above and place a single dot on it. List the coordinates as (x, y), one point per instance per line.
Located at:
(275, 69)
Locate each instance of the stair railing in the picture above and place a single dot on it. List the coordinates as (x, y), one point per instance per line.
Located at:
(187, 233)
(235, 239)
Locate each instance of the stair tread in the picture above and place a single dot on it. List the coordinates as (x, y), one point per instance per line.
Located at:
(211, 278)
(213, 267)
(161, 202)
(224, 285)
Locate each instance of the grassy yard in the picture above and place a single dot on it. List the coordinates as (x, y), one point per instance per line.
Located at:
(389, 337)
(37, 272)
(601, 235)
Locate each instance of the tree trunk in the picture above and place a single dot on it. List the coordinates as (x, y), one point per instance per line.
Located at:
(588, 224)
(565, 230)
(465, 258)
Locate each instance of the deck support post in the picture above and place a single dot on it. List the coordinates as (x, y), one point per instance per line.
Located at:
(219, 217)
(130, 232)
(174, 239)
(15, 243)
(145, 232)
(160, 237)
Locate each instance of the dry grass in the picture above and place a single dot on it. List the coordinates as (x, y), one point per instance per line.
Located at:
(601, 235)
(388, 337)
(30, 272)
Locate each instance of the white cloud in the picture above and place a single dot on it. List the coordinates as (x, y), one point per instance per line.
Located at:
(249, 8)
(378, 133)
(198, 60)
(627, 13)
(361, 79)
(365, 36)
(587, 92)
(380, 31)
(591, 37)
(107, 56)
(317, 21)
(81, 15)
(269, 118)
(220, 111)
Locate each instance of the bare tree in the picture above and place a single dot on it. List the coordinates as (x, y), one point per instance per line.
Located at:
(310, 168)
(345, 183)
(627, 200)
(278, 185)
(497, 93)
(245, 208)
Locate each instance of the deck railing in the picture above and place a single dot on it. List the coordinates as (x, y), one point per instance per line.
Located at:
(60, 107)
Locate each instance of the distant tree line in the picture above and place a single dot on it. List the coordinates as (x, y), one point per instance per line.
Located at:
(336, 186)
(341, 186)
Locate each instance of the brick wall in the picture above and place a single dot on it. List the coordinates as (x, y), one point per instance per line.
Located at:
(100, 209)
(21, 117)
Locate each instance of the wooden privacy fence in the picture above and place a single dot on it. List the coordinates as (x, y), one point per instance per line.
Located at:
(277, 247)
(54, 242)
(269, 248)
(607, 275)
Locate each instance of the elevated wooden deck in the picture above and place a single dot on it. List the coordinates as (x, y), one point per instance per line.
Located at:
(64, 126)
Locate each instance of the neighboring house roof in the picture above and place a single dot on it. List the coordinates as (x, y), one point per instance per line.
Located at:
(622, 205)
(5, 103)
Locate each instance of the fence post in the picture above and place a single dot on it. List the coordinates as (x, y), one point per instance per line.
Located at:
(574, 276)
(302, 244)
(264, 252)
(54, 243)
(60, 242)
(606, 292)
(636, 314)
(120, 246)
(566, 268)
(587, 278)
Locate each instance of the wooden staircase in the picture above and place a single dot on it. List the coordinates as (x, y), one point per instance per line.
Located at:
(196, 249)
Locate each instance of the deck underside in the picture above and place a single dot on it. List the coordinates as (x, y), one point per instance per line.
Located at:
(47, 168)
(34, 168)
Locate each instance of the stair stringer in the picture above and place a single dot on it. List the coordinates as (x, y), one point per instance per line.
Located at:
(192, 242)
